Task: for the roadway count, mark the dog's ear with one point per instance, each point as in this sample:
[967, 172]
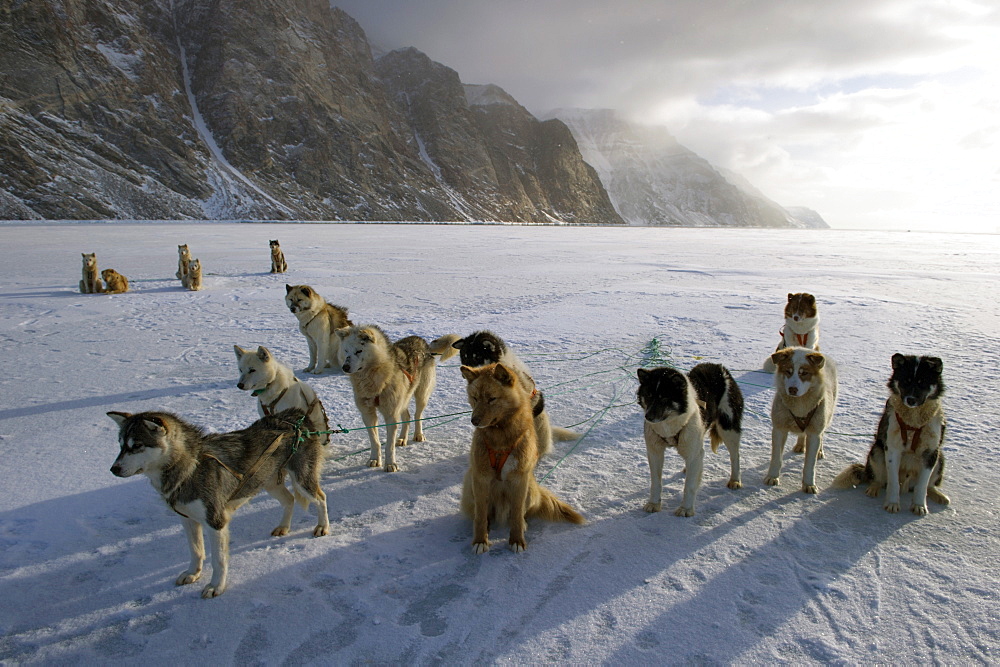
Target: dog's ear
[119, 417]
[459, 343]
[781, 356]
[263, 353]
[897, 361]
[809, 298]
[306, 290]
[468, 373]
[935, 363]
[366, 336]
[790, 296]
[288, 288]
[816, 359]
[642, 374]
[155, 424]
[503, 375]
[239, 351]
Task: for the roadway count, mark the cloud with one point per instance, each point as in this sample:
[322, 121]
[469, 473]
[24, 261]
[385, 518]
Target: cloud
[843, 106]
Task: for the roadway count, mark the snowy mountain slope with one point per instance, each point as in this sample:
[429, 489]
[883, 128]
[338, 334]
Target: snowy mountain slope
[764, 574]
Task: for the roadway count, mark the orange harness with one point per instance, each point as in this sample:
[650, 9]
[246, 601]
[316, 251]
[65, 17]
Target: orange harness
[497, 459]
[904, 431]
[800, 338]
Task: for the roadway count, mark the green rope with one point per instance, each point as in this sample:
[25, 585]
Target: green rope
[584, 436]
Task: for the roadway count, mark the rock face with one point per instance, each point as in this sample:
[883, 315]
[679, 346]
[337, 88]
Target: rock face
[259, 109]
[654, 180]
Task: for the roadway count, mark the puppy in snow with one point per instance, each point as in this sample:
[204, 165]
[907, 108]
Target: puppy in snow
[907, 448]
[678, 409]
[801, 325]
[805, 395]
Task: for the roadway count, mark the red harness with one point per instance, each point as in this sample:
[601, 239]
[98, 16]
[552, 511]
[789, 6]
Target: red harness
[800, 338]
[497, 459]
[905, 430]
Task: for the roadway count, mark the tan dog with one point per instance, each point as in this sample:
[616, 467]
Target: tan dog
[801, 326]
[116, 282]
[192, 279]
[91, 282]
[385, 376]
[278, 264]
[318, 320]
[805, 395]
[183, 258]
[499, 486]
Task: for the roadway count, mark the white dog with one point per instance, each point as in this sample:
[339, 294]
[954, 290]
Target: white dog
[277, 388]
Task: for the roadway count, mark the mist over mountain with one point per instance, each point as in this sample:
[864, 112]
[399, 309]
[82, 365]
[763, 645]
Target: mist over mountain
[260, 109]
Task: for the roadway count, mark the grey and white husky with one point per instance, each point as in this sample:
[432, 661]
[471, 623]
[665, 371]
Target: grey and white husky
[206, 477]
[483, 348]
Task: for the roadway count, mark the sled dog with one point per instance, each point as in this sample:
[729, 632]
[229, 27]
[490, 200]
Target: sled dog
[183, 258]
[483, 348]
[206, 477]
[277, 388]
[801, 325]
[91, 282]
[678, 410]
[907, 448]
[385, 376]
[116, 283]
[499, 487]
[192, 279]
[278, 264]
[805, 396]
[317, 322]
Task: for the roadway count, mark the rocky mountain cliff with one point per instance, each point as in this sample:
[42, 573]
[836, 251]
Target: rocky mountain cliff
[259, 109]
[654, 180]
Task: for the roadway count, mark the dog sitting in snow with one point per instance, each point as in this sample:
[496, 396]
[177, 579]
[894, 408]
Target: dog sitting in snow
[483, 348]
[318, 320]
[805, 395]
[278, 264]
[801, 325]
[192, 279]
[499, 487]
[115, 283]
[183, 258]
[678, 410]
[907, 448]
[91, 282]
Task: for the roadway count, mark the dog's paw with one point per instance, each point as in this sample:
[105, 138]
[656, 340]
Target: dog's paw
[517, 546]
[651, 507]
[188, 577]
[420, 438]
[321, 531]
[280, 531]
[873, 491]
[212, 591]
[772, 481]
[734, 484]
[683, 511]
[919, 510]
[809, 488]
[401, 442]
[891, 508]
[374, 463]
[799, 447]
[391, 467]
[307, 369]
[480, 547]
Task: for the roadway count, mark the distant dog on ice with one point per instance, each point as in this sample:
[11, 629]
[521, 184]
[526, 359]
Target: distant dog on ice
[115, 283]
[805, 396]
[206, 477]
[183, 258]
[483, 348]
[801, 325]
[91, 282]
[678, 410]
[385, 376]
[277, 388]
[278, 264]
[499, 486]
[318, 320]
[192, 279]
[907, 448]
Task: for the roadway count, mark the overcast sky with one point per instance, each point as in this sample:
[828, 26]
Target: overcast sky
[876, 113]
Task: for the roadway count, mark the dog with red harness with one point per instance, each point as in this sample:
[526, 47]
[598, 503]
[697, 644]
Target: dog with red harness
[801, 325]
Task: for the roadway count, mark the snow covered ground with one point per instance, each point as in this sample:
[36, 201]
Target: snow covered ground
[762, 574]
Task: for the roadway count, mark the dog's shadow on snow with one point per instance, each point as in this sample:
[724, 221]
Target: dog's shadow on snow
[109, 400]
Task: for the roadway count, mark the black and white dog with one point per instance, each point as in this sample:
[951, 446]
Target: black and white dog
[485, 347]
[907, 448]
[679, 409]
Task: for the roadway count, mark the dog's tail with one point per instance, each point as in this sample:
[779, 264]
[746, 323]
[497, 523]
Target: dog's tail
[442, 346]
[551, 508]
[851, 476]
[564, 434]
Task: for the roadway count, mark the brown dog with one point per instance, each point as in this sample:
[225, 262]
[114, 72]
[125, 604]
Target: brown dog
[116, 283]
[500, 486]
